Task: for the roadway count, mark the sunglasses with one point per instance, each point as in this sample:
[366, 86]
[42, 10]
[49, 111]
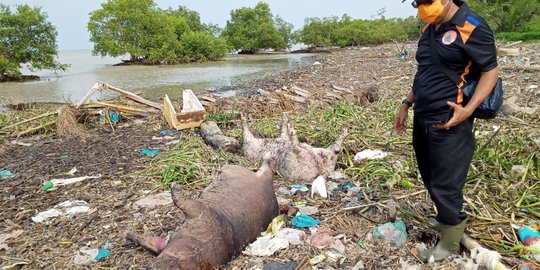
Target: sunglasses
[416, 3]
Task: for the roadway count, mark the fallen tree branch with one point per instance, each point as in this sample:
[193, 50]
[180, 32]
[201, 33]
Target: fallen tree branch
[32, 130]
[31, 119]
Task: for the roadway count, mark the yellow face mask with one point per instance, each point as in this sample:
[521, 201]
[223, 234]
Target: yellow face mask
[429, 13]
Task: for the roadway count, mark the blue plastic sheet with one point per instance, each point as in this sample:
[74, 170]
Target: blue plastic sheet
[150, 152]
[304, 221]
[5, 174]
[393, 232]
[169, 132]
[113, 115]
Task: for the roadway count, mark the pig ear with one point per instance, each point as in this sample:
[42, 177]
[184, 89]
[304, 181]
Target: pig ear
[154, 244]
[189, 207]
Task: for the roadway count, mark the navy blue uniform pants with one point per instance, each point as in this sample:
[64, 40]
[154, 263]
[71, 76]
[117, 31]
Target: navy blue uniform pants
[443, 158]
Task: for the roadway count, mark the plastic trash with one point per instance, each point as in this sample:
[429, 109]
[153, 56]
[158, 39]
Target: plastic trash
[346, 186]
[275, 225]
[173, 142]
[299, 203]
[293, 236]
[298, 187]
[67, 208]
[169, 132]
[335, 257]
[55, 183]
[393, 232]
[317, 259]
[319, 187]
[320, 240]
[308, 210]
[47, 185]
[304, 221]
[284, 190]
[527, 266]
[155, 200]
[266, 246]
[164, 138]
[91, 255]
[5, 174]
[359, 265]
[281, 266]
[114, 116]
[370, 154]
[530, 238]
[336, 175]
[150, 152]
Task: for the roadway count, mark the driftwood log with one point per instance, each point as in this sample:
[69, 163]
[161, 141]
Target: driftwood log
[214, 137]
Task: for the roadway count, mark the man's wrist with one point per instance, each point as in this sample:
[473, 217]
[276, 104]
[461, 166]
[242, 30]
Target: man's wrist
[406, 102]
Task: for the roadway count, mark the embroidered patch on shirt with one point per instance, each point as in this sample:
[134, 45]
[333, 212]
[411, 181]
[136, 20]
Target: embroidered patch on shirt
[449, 37]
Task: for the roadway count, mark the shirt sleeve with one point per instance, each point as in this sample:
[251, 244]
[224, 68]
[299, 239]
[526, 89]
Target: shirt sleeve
[481, 47]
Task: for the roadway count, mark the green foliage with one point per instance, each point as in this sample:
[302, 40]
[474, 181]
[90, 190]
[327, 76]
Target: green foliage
[201, 47]
[332, 31]
[26, 38]
[253, 29]
[529, 31]
[506, 15]
[318, 32]
[152, 35]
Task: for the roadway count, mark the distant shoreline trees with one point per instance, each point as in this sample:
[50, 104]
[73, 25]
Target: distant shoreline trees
[26, 39]
[150, 35]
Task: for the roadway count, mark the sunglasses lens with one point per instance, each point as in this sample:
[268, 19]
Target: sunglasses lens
[414, 4]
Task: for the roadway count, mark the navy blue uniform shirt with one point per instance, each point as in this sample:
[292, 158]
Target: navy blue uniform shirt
[466, 45]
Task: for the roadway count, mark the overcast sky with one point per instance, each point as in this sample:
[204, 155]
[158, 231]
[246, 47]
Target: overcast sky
[71, 16]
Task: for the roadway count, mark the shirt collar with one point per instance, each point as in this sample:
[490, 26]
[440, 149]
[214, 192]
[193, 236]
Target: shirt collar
[461, 15]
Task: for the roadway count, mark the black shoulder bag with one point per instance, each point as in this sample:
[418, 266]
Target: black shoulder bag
[490, 106]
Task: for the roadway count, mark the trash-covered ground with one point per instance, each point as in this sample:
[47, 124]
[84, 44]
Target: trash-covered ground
[52, 218]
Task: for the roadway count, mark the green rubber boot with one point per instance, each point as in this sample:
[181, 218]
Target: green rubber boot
[448, 244]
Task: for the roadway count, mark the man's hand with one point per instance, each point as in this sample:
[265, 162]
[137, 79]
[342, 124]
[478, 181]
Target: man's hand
[401, 118]
[460, 114]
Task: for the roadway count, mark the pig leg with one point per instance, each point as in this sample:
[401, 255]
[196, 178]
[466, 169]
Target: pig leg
[247, 135]
[154, 244]
[265, 168]
[294, 139]
[190, 208]
[285, 127]
[338, 144]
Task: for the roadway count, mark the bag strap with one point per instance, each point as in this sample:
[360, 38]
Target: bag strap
[437, 58]
[438, 61]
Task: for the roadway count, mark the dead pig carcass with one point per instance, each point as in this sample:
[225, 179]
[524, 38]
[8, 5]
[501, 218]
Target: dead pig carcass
[290, 158]
[230, 213]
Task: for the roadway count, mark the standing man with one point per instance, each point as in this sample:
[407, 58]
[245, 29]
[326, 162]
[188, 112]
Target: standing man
[442, 131]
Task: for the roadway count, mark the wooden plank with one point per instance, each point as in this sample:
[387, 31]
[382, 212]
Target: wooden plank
[263, 92]
[169, 113]
[138, 111]
[132, 96]
[342, 89]
[94, 88]
[301, 92]
[295, 98]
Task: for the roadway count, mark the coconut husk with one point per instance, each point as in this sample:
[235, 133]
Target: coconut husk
[67, 123]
